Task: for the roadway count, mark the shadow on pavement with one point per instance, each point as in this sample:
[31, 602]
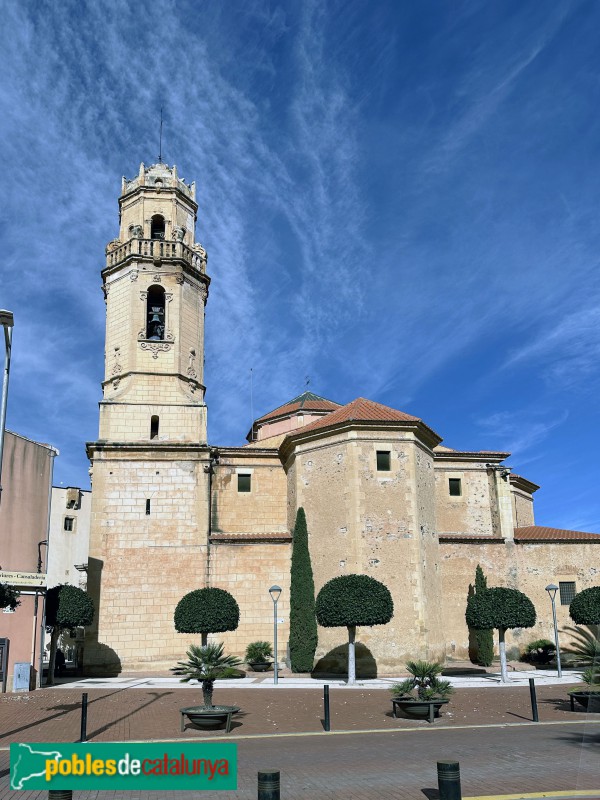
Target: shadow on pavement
[113, 722]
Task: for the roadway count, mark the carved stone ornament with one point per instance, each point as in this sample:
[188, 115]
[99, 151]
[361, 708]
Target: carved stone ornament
[156, 277]
[116, 367]
[168, 296]
[180, 278]
[106, 289]
[143, 295]
[142, 333]
[156, 347]
[191, 370]
[133, 275]
[203, 292]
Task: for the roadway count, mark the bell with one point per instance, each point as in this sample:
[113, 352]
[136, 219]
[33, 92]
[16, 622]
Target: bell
[155, 324]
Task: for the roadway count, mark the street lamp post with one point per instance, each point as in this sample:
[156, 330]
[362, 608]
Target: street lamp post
[275, 591]
[552, 589]
[6, 320]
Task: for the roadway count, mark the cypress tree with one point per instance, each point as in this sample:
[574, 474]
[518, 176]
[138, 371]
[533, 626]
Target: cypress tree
[484, 639]
[303, 623]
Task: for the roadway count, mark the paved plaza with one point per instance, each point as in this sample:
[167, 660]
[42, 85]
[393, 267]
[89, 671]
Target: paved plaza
[368, 755]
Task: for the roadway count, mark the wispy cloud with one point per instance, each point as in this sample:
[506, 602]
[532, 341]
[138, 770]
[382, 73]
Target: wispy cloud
[518, 432]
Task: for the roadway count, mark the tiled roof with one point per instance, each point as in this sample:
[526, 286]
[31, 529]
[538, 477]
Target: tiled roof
[539, 533]
[307, 401]
[470, 537]
[251, 537]
[361, 410]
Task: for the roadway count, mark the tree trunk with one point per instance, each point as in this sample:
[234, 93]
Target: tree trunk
[351, 655]
[52, 656]
[503, 669]
[204, 639]
[207, 693]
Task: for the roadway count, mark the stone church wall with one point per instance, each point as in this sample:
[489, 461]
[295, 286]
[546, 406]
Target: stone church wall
[527, 567]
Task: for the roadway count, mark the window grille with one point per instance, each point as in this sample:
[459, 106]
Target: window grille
[567, 592]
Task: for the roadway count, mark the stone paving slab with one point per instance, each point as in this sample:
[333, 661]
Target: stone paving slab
[266, 681]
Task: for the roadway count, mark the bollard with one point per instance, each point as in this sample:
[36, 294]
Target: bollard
[327, 721]
[534, 710]
[448, 773]
[83, 737]
[268, 785]
[60, 794]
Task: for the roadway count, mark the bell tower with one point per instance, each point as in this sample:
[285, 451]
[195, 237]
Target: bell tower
[151, 465]
[155, 285]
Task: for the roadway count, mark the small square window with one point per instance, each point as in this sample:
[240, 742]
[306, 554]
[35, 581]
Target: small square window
[244, 482]
[384, 461]
[567, 592]
[69, 523]
[454, 487]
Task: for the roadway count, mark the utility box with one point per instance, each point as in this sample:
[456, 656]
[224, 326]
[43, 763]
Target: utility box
[3, 663]
[22, 677]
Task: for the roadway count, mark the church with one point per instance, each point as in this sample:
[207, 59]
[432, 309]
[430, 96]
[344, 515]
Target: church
[172, 512]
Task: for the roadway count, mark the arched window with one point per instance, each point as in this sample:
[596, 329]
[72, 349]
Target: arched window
[155, 313]
[157, 227]
[154, 427]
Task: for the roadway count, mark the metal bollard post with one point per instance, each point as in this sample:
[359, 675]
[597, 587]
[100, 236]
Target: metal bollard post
[327, 721]
[534, 709]
[60, 794]
[268, 785]
[448, 773]
[83, 737]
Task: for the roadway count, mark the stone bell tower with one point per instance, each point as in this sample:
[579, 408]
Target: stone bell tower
[150, 464]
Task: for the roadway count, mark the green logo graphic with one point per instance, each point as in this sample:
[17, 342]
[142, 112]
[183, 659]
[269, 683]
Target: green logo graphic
[109, 766]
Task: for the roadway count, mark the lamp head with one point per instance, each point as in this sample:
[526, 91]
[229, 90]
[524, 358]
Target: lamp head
[552, 589]
[275, 591]
[6, 318]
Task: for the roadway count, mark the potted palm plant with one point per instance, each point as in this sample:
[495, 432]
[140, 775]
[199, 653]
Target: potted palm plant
[423, 694]
[207, 664]
[588, 698]
[259, 656]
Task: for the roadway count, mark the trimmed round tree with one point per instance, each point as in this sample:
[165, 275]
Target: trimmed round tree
[501, 609]
[585, 607]
[205, 611]
[67, 607]
[303, 624]
[352, 600]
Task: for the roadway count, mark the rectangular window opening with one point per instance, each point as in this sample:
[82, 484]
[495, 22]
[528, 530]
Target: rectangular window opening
[567, 592]
[455, 487]
[384, 459]
[69, 523]
[147, 507]
[244, 482]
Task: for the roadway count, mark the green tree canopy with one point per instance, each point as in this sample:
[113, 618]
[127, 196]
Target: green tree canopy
[303, 624]
[585, 607]
[352, 600]
[9, 596]
[502, 609]
[67, 607]
[205, 611]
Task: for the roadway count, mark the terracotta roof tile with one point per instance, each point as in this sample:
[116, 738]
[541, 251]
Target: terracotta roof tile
[362, 410]
[539, 533]
[307, 401]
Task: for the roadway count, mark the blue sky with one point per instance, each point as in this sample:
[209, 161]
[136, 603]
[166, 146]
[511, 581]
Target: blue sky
[399, 200]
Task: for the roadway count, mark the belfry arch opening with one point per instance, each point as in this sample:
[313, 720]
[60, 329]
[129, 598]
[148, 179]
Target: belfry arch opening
[154, 423]
[155, 314]
[157, 227]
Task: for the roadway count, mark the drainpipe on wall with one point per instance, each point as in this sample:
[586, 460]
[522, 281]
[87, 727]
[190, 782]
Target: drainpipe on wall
[209, 469]
[53, 453]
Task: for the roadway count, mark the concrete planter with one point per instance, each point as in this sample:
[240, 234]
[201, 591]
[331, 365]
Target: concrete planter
[260, 666]
[418, 709]
[590, 700]
[209, 718]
